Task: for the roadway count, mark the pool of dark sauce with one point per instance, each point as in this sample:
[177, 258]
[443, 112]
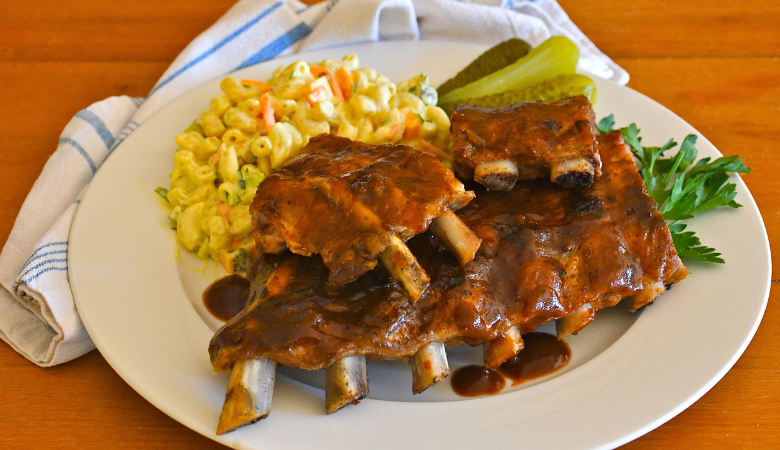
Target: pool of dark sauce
[227, 296]
[473, 381]
[542, 355]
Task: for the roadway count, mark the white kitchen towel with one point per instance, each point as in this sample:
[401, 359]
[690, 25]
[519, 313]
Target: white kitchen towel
[38, 317]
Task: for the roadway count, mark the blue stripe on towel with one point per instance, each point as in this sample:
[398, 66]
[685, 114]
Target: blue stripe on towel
[48, 269]
[50, 244]
[216, 47]
[41, 264]
[279, 45]
[81, 150]
[33, 258]
[97, 123]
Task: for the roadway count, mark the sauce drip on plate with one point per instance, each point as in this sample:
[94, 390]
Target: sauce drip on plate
[473, 381]
[227, 296]
[542, 355]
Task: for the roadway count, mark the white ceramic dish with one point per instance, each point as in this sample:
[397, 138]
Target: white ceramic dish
[628, 374]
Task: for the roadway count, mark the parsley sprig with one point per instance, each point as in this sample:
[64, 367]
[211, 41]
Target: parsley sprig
[682, 186]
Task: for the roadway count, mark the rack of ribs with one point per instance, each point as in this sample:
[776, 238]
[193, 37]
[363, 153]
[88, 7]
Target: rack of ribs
[355, 204]
[548, 253]
[498, 146]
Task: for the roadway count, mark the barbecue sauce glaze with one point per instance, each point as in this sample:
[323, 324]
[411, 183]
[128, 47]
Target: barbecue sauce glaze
[546, 250]
[542, 355]
[227, 296]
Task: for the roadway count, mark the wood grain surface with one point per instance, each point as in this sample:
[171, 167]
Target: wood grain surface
[715, 64]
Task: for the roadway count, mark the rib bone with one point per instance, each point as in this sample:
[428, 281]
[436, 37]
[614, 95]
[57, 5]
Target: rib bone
[576, 321]
[573, 173]
[650, 292]
[429, 366]
[403, 266]
[499, 350]
[456, 235]
[249, 393]
[497, 175]
[345, 382]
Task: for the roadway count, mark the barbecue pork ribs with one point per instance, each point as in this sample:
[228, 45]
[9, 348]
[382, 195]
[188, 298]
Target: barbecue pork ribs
[548, 253]
[355, 203]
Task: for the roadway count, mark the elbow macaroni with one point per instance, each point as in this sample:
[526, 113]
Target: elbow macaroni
[232, 146]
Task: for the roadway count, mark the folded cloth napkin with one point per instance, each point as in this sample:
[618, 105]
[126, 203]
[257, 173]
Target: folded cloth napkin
[38, 317]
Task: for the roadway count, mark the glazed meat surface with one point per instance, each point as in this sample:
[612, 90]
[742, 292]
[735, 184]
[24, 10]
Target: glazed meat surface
[343, 200]
[534, 139]
[546, 252]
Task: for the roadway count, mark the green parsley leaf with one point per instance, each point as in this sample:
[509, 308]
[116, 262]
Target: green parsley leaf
[605, 125]
[689, 246]
[681, 187]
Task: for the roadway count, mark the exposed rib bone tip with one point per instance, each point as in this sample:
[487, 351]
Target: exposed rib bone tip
[503, 348]
[497, 175]
[650, 292]
[573, 173]
[403, 266]
[429, 366]
[249, 394]
[346, 382]
[463, 199]
[576, 321]
[456, 235]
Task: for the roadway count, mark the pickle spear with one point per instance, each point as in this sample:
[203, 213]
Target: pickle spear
[555, 56]
[558, 88]
[496, 58]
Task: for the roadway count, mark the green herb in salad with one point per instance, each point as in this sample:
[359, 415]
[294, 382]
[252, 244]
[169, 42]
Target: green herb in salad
[682, 186]
[162, 192]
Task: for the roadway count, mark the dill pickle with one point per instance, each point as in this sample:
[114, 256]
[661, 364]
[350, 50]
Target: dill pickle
[558, 88]
[498, 57]
[555, 56]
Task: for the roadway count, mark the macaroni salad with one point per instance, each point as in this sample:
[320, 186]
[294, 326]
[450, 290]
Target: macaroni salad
[254, 127]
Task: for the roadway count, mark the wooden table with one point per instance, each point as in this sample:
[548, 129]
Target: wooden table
[713, 63]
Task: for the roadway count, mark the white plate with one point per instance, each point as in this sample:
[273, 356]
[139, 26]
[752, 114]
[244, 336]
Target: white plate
[628, 375]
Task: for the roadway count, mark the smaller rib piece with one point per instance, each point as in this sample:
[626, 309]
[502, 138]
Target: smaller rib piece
[345, 382]
[403, 266]
[456, 235]
[429, 366]
[249, 394]
[498, 146]
[503, 348]
[349, 201]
